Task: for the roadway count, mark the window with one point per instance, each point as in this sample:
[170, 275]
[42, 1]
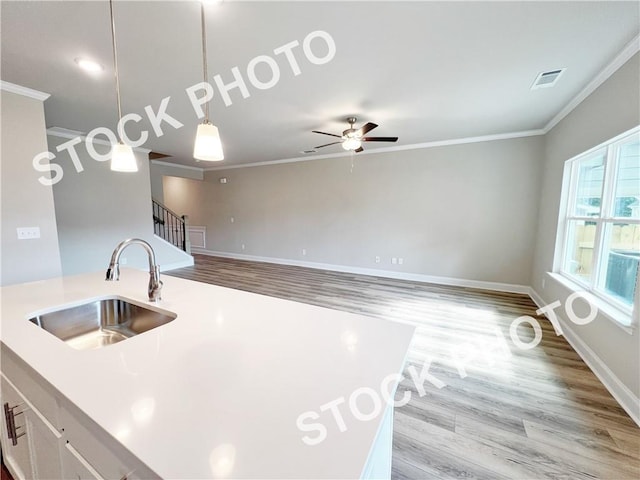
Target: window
[600, 230]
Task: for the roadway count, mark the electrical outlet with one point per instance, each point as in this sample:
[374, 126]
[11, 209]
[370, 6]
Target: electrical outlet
[400, 261]
[394, 260]
[28, 233]
[232, 220]
[304, 251]
[242, 246]
[377, 259]
[543, 282]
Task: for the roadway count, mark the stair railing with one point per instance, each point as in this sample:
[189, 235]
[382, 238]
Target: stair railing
[170, 226]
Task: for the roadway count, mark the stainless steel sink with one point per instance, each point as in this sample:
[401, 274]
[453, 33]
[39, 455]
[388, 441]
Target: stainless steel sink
[101, 322]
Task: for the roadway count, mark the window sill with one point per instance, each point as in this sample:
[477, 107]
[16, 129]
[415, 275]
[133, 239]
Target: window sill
[618, 317]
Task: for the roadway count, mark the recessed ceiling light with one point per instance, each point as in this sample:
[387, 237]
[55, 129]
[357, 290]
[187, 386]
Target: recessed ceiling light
[89, 65]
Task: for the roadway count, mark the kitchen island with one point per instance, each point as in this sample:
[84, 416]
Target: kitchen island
[238, 385]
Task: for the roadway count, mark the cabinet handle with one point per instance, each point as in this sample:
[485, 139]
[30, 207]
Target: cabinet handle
[7, 419]
[10, 418]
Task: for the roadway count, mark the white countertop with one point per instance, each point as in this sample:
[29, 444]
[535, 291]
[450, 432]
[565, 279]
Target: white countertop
[229, 376]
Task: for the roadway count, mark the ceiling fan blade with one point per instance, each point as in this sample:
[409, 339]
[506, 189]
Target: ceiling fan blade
[359, 149]
[326, 145]
[379, 139]
[325, 133]
[365, 129]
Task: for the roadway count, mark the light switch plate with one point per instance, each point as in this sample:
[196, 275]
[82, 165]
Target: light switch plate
[28, 233]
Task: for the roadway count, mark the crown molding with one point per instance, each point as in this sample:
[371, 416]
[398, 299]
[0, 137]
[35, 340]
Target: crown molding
[399, 148]
[68, 133]
[177, 165]
[65, 133]
[24, 91]
[623, 57]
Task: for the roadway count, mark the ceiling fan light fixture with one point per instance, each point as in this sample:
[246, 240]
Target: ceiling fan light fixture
[123, 159]
[352, 139]
[208, 146]
[351, 143]
[351, 133]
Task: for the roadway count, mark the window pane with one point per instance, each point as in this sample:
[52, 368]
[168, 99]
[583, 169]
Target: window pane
[579, 249]
[620, 261]
[627, 192]
[589, 179]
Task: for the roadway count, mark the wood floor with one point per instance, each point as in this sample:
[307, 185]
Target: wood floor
[518, 414]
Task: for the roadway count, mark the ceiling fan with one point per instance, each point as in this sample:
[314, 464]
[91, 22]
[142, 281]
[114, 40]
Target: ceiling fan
[351, 138]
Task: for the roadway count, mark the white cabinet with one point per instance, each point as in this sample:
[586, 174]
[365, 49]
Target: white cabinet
[54, 439]
[30, 444]
[75, 466]
[16, 457]
[97, 449]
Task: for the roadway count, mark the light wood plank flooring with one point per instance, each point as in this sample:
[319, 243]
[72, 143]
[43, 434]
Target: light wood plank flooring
[536, 414]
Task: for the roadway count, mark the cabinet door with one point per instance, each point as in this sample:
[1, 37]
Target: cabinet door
[75, 466]
[37, 453]
[97, 451]
[17, 458]
[44, 445]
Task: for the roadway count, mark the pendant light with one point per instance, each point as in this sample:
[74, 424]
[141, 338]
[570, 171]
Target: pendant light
[122, 158]
[208, 146]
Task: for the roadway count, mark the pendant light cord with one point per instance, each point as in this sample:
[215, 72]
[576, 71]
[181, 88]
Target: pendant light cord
[204, 58]
[115, 58]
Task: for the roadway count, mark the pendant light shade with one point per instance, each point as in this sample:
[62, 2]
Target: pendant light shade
[208, 146]
[123, 159]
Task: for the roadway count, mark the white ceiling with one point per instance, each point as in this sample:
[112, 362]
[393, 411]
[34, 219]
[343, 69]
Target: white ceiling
[424, 71]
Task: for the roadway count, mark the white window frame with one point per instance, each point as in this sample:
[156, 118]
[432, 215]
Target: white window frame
[619, 311]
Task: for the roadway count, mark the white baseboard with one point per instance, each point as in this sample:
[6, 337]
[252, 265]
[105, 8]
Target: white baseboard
[456, 282]
[537, 299]
[625, 397]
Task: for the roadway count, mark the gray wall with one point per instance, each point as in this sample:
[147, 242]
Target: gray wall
[465, 211]
[158, 171]
[612, 109]
[97, 208]
[25, 201]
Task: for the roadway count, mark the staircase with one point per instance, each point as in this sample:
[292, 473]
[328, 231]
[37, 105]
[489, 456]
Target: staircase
[170, 226]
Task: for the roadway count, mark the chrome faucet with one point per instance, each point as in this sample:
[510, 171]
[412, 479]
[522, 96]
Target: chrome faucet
[113, 272]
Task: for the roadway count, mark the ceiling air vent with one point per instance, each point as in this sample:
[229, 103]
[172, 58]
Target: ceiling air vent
[547, 79]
